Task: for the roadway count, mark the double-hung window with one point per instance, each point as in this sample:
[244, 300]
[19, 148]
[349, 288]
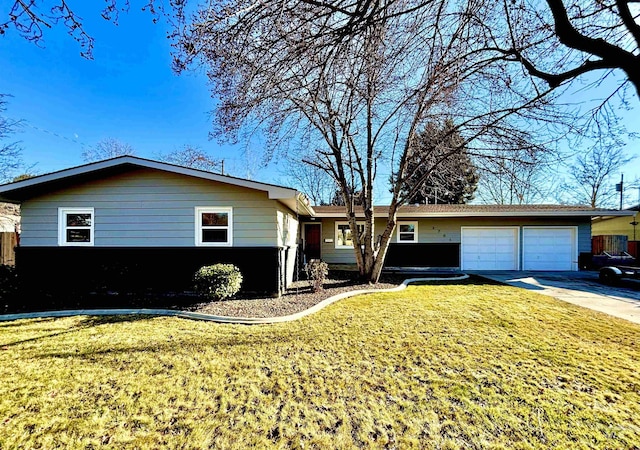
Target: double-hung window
[344, 239]
[75, 226]
[407, 232]
[214, 226]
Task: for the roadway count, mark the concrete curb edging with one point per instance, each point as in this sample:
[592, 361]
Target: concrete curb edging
[221, 319]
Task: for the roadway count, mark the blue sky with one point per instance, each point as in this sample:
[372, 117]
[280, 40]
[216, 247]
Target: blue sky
[127, 92]
[130, 93]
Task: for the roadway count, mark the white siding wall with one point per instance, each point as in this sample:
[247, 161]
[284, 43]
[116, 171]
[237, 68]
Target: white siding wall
[148, 208]
[288, 229]
[287, 226]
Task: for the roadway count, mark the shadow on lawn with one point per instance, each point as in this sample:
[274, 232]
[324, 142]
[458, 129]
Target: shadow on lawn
[85, 323]
[183, 342]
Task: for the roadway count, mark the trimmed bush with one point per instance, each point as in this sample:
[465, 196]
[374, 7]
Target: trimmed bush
[317, 272]
[218, 282]
[8, 281]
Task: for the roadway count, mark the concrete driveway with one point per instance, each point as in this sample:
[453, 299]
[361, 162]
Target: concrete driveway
[579, 288]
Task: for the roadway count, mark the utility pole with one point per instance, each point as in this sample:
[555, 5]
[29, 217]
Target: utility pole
[620, 188]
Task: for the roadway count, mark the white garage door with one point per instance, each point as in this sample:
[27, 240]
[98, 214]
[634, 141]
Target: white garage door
[549, 248]
[489, 248]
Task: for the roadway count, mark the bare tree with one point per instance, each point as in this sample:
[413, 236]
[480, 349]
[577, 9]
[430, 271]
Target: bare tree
[516, 179]
[554, 40]
[10, 151]
[291, 69]
[590, 175]
[105, 149]
[356, 196]
[31, 18]
[559, 41]
[310, 179]
[194, 157]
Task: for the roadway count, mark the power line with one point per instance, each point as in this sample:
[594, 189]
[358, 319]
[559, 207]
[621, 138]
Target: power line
[58, 135]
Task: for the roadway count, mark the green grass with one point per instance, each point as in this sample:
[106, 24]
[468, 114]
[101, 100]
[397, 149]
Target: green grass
[444, 366]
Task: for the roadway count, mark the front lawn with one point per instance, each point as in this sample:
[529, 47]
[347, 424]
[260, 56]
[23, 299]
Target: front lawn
[444, 366]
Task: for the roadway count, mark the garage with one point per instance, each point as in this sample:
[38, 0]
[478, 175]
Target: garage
[549, 248]
[489, 248]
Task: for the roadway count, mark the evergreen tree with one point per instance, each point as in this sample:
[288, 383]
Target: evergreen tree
[440, 168]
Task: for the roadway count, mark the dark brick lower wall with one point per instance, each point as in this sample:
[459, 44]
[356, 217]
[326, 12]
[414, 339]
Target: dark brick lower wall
[87, 269]
[423, 255]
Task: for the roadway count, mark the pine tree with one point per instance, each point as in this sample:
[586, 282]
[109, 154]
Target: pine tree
[440, 168]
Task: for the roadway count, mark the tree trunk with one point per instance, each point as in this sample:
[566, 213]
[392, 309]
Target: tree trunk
[381, 255]
[370, 260]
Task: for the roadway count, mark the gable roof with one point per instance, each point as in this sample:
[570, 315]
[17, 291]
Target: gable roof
[20, 190]
[477, 211]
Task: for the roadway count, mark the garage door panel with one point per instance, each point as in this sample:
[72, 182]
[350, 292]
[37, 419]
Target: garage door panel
[505, 265]
[503, 257]
[549, 248]
[489, 248]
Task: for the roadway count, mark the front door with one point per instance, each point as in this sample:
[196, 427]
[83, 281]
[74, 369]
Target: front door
[311, 241]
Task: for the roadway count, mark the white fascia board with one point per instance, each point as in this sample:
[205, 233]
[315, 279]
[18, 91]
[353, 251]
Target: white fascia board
[603, 215]
[299, 204]
[53, 176]
[512, 214]
[418, 215]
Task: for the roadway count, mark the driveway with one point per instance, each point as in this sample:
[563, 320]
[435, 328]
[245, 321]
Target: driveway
[579, 288]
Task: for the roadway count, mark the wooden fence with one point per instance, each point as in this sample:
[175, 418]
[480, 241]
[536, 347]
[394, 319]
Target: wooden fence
[8, 243]
[613, 244]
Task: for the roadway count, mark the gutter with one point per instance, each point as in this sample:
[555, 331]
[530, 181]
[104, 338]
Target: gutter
[428, 215]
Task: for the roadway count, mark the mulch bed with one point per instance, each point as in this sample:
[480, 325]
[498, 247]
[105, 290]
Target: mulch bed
[298, 298]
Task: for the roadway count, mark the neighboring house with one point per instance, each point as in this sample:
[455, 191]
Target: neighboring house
[9, 218]
[154, 224]
[469, 237]
[9, 228]
[618, 225]
[132, 217]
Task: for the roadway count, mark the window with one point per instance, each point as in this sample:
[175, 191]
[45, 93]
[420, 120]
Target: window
[343, 234]
[407, 232]
[214, 226]
[75, 226]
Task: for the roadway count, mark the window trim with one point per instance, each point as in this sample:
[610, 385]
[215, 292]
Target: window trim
[335, 234]
[415, 232]
[198, 211]
[62, 226]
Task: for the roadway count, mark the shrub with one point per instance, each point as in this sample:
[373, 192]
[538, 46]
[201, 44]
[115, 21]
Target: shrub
[317, 272]
[218, 281]
[8, 282]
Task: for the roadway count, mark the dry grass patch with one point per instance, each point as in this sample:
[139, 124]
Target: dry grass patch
[445, 366]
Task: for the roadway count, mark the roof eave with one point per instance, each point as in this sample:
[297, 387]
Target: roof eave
[400, 215]
[274, 192]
